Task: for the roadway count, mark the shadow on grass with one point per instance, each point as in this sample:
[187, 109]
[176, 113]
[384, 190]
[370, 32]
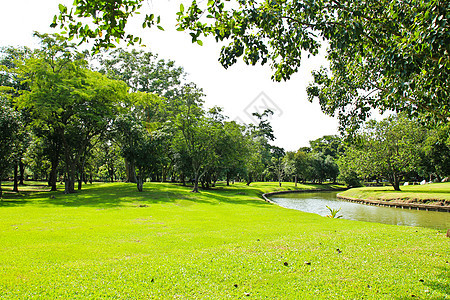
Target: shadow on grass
[10, 203]
[126, 195]
[442, 282]
[439, 284]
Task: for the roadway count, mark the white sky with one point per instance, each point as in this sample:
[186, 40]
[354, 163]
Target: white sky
[295, 122]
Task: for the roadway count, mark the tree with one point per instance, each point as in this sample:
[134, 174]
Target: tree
[260, 151]
[140, 141]
[72, 103]
[196, 132]
[254, 160]
[347, 172]
[144, 72]
[9, 121]
[436, 158]
[278, 163]
[383, 54]
[328, 145]
[234, 150]
[11, 84]
[107, 161]
[388, 149]
[300, 164]
[144, 154]
[331, 168]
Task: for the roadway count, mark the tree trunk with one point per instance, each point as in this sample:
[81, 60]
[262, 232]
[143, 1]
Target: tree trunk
[396, 183]
[164, 174]
[80, 182]
[69, 184]
[1, 191]
[195, 189]
[296, 180]
[249, 179]
[396, 186]
[130, 171]
[111, 173]
[140, 184]
[21, 172]
[16, 177]
[53, 175]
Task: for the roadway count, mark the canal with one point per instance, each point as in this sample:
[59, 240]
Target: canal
[317, 202]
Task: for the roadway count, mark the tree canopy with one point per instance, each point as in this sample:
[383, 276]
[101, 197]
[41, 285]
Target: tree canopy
[389, 55]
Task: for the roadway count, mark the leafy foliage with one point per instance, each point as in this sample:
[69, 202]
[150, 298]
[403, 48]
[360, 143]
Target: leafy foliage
[389, 149]
[109, 19]
[9, 123]
[67, 102]
[389, 55]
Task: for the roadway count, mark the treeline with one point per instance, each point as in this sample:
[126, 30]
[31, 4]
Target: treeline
[73, 117]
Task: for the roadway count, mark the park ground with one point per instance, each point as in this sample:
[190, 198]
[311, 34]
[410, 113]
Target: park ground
[109, 241]
[430, 194]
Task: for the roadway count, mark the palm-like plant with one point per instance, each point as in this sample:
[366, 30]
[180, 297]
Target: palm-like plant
[333, 213]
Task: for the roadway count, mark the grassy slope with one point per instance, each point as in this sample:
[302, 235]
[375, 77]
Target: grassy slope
[167, 243]
[429, 193]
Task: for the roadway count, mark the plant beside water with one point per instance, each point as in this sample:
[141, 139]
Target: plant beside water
[333, 213]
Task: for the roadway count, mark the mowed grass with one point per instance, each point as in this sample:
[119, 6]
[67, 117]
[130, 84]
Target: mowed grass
[428, 193]
[109, 241]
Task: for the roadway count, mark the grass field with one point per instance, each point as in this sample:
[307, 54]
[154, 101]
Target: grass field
[109, 241]
[429, 193]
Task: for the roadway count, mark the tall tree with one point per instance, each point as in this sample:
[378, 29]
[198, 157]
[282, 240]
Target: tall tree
[196, 132]
[139, 140]
[144, 72]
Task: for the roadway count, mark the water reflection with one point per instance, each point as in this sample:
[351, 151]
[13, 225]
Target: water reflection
[317, 203]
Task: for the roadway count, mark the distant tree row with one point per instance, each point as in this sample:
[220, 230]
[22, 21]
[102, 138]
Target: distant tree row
[73, 117]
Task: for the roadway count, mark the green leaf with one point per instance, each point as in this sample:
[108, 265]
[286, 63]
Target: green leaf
[160, 27]
[200, 42]
[62, 8]
[181, 7]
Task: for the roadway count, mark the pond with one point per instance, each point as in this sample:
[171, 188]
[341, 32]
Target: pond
[317, 203]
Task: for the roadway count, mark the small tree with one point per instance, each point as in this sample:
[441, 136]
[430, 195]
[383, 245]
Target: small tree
[278, 163]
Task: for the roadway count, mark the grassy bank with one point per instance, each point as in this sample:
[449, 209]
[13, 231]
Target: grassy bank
[167, 243]
[435, 193]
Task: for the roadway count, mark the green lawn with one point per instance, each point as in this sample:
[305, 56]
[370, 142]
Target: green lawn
[428, 193]
[109, 241]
